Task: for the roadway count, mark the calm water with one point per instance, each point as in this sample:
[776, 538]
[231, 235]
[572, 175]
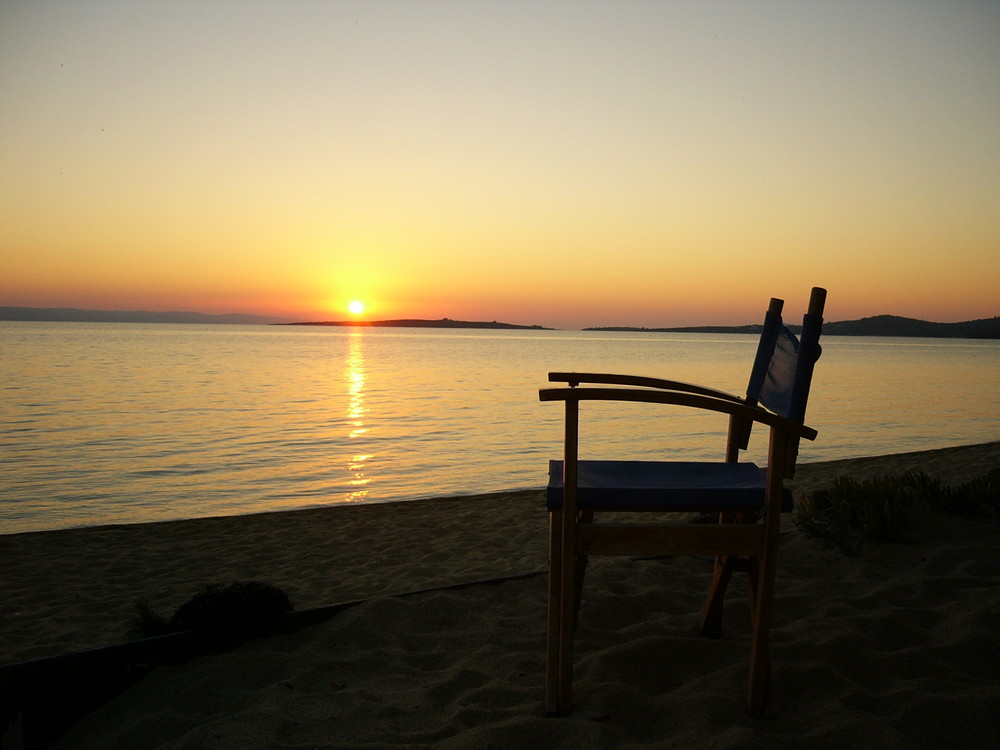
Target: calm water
[123, 423]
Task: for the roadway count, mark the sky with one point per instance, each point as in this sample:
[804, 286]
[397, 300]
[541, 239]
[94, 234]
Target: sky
[565, 164]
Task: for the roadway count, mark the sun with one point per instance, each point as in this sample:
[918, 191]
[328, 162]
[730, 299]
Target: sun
[356, 307]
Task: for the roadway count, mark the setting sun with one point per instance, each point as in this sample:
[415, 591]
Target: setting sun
[356, 307]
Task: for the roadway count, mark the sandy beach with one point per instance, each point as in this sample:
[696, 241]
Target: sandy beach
[899, 647]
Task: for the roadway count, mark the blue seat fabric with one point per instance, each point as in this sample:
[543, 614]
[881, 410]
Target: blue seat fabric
[670, 486]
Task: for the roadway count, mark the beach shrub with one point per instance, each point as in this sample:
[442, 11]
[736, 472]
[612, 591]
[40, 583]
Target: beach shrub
[819, 517]
[146, 623]
[877, 506]
[925, 490]
[241, 606]
[982, 494]
[852, 512]
[975, 498]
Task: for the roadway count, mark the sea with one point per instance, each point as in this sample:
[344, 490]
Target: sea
[119, 423]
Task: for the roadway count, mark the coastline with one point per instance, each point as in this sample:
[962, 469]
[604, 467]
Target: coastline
[888, 646]
[72, 589]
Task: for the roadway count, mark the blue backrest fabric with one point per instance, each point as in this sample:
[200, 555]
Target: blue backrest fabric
[783, 367]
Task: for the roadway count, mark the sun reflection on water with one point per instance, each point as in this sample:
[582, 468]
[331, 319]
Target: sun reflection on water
[356, 410]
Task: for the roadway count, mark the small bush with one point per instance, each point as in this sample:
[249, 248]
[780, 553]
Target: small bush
[852, 512]
[927, 491]
[877, 506]
[146, 623]
[982, 494]
[244, 606]
[975, 498]
[819, 517]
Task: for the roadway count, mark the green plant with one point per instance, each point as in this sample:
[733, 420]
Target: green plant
[244, 606]
[146, 623]
[926, 490]
[852, 512]
[877, 506]
[982, 494]
[819, 517]
[977, 497]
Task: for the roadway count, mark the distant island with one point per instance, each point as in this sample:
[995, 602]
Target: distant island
[418, 323]
[754, 329]
[74, 315]
[893, 325]
[878, 325]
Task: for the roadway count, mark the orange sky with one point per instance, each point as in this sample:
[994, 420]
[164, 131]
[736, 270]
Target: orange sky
[560, 163]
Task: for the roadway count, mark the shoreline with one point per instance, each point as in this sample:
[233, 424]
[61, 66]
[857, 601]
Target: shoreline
[809, 476]
[73, 589]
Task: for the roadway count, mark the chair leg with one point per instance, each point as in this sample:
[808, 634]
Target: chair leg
[581, 570]
[753, 582]
[562, 588]
[722, 573]
[762, 590]
[567, 596]
[711, 612]
[758, 695]
[554, 616]
[586, 516]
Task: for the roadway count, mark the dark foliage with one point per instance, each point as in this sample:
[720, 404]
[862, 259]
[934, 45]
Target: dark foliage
[241, 606]
[853, 512]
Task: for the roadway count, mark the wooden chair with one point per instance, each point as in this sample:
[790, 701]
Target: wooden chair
[747, 499]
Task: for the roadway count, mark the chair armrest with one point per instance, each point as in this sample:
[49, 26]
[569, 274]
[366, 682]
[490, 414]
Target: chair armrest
[677, 398]
[575, 378]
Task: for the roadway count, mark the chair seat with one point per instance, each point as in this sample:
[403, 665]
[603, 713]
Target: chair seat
[659, 485]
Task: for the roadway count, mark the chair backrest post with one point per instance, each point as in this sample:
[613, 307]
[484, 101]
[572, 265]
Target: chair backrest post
[739, 429]
[809, 351]
[817, 301]
[571, 448]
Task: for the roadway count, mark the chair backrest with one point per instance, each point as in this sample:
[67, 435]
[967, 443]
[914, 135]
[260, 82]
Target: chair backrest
[783, 366]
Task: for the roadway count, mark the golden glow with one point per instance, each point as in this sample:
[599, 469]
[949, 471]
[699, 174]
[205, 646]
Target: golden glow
[683, 192]
[356, 307]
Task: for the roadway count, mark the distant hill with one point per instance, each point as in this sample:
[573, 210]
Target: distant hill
[417, 323]
[879, 325]
[754, 329]
[70, 314]
[893, 325]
